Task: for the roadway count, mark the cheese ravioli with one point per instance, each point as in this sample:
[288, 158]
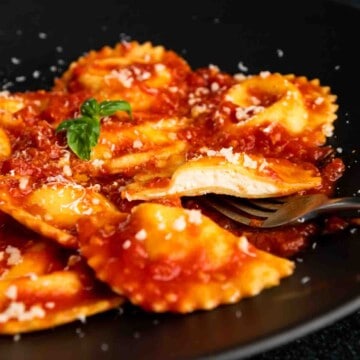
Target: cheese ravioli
[171, 259]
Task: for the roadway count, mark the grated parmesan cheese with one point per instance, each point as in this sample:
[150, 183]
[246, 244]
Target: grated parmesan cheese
[126, 244]
[97, 163]
[16, 310]
[4, 94]
[227, 153]
[137, 144]
[124, 76]
[32, 276]
[263, 165]
[50, 305]
[159, 67]
[214, 68]
[319, 100]
[198, 110]
[249, 162]
[179, 224]
[143, 75]
[11, 292]
[194, 216]
[141, 235]
[242, 114]
[67, 170]
[73, 259]
[14, 255]
[264, 74]
[240, 77]
[48, 217]
[214, 87]
[95, 201]
[243, 245]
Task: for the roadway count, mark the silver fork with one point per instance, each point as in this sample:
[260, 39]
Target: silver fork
[273, 212]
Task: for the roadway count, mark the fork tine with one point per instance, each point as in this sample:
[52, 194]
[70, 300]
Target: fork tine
[225, 210]
[238, 209]
[246, 208]
[270, 204]
[275, 212]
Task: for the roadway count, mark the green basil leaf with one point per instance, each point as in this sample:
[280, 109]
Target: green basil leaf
[90, 108]
[109, 107]
[93, 131]
[82, 136]
[66, 124]
[83, 133]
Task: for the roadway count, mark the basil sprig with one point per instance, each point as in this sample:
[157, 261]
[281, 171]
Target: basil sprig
[82, 133]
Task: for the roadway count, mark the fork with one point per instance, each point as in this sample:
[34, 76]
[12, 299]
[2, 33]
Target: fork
[273, 212]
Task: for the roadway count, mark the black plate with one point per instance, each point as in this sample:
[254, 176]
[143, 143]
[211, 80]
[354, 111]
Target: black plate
[38, 39]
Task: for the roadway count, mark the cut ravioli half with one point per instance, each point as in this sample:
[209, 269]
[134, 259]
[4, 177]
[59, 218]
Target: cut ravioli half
[171, 259]
[43, 286]
[53, 209]
[301, 106]
[225, 172]
[147, 76]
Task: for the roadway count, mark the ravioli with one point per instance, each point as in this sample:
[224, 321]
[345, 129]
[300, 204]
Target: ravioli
[68, 201]
[43, 286]
[171, 259]
[130, 71]
[301, 106]
[229, 173]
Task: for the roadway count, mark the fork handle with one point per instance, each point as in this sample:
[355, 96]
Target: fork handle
[344, 203]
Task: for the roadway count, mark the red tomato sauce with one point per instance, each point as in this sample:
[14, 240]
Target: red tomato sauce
[38, 152]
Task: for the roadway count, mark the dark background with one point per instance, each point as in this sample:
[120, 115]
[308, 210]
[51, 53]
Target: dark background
[39, 39]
